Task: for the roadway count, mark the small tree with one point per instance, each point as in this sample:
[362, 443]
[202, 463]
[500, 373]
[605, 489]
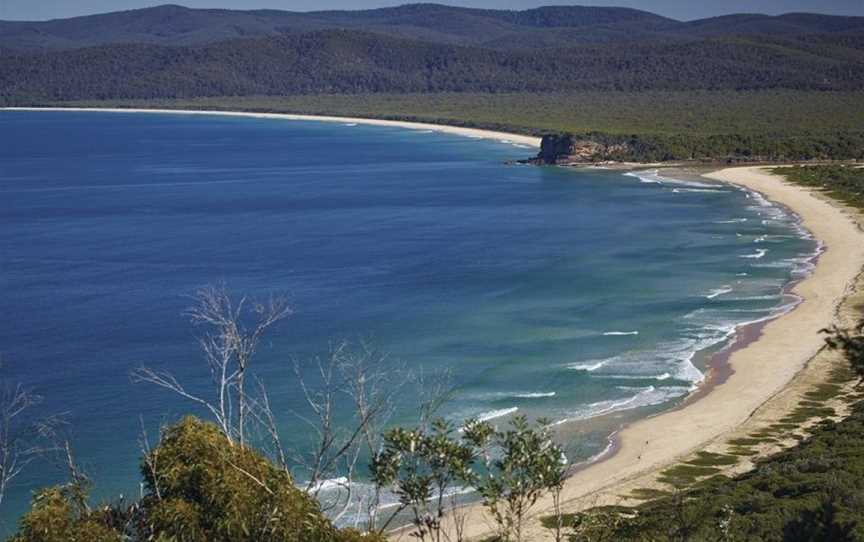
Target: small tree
[525, 464]
[56, 516]
[62, 513]
[423, 467]
[553, 480]
[851, 343]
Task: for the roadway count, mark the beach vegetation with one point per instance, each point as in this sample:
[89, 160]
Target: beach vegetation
[843, 182]
[648, 493]
[812, 491]
[850, 342]
[709, 459]
[686, 474]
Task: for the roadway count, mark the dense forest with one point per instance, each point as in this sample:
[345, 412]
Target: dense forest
[352, 62]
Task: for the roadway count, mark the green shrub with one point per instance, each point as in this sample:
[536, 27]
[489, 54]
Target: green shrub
[56, 516]
[207, 490]
[200, 488]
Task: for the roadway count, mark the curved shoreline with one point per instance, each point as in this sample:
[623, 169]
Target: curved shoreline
[769, 357]
[475, 133]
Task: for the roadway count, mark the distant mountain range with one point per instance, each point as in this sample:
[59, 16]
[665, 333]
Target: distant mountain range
[171, 51]
[545, 27]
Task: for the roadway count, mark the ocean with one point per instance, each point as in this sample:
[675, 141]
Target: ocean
[584, 296]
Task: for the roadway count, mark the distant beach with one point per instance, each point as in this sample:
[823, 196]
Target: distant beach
[504, 137]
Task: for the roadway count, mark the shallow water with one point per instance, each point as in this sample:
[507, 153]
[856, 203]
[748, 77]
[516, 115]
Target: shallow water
[565, 294]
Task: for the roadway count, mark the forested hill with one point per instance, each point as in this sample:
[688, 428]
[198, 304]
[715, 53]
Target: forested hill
[346, 61]
[545, 27]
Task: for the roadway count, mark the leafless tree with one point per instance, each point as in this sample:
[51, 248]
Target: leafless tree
[234, 331]
[363, 378]
[151, 459]
[23, 438]
[349, 394]
[433, 390]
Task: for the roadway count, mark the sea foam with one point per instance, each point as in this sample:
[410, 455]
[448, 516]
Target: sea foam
[717, 292]
[494, 414]
[648, 396]
[760, 253]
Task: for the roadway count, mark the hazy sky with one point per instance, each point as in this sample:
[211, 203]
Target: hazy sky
[679, 9]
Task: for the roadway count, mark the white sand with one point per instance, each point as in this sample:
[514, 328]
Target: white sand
[528, 141]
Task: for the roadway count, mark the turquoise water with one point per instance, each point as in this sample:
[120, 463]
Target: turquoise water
[566, 294]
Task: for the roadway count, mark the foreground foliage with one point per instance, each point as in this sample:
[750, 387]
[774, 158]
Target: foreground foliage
[428, 466]
[200, 488]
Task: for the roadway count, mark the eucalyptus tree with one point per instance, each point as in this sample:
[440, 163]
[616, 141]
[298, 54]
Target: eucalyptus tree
[520, 464]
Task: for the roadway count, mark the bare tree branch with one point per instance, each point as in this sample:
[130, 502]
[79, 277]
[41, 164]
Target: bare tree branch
[233, 332]
[23, 439]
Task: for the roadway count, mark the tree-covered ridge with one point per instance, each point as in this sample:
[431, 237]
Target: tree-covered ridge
[353, 62]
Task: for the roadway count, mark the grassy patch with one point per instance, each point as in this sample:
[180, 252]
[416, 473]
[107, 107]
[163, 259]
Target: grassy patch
[708, 459]
[646, 493]
[684, 475]
[743, 452]
[823, 392]
[745, 441]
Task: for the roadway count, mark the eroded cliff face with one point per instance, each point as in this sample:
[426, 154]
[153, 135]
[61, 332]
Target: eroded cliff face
[564, 149]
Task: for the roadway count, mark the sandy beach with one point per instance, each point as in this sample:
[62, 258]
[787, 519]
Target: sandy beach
[528, 141]
[760, 371]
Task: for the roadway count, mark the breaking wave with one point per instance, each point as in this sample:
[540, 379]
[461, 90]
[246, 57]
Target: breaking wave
[759, 254]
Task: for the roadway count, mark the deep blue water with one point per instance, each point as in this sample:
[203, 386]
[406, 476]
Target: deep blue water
[567, 294]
